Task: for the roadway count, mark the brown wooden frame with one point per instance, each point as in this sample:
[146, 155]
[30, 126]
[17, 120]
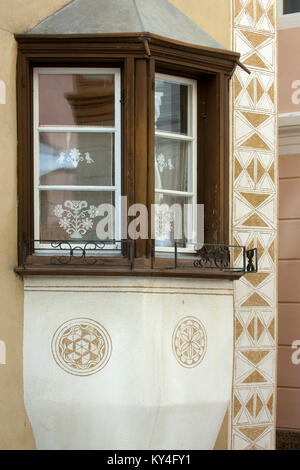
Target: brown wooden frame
[139, 57]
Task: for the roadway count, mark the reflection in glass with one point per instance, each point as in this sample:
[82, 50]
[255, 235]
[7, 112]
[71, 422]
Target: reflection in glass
[83, 159]
[171, 107]
[85, 100]
[291, 6]
[171, 164]
[170, 220]
[71, 215]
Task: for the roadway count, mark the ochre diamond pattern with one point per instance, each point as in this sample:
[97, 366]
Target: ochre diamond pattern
[254, 224]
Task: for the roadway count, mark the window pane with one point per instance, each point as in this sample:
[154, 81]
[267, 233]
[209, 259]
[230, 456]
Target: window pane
[86, 100]
[71, 215]
[291, 6]
[169, 226]
[83, 159]
[171, 164]
[171, 107]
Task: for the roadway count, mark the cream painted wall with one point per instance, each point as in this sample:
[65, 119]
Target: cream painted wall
[17, 16]
[214, 16]
[128, 409]
[15, 431]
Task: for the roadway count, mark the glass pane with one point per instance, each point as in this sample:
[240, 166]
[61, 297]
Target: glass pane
[82, 159]
[71, 215]
[291, 6]
[170, 220]
[171, 107]
[86, 100]
[171, 164]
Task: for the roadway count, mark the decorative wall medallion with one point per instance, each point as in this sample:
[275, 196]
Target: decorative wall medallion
[189, 342]
[81, 347]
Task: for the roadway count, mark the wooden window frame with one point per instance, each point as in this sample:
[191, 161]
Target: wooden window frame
[139, 57]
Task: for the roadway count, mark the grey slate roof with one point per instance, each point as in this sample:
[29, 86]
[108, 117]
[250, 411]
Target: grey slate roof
[125, 16]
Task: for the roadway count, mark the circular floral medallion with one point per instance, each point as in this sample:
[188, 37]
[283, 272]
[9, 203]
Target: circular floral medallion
[189, 342]
[81, 346]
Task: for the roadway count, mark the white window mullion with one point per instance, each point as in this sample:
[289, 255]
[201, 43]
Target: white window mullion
[36, 150]
[174, 136]
[117, 152]
[77, 188]
[77, 130]
[175, 193]
[194, 113]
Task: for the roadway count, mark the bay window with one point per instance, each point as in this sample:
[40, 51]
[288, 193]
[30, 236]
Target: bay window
[104, 116]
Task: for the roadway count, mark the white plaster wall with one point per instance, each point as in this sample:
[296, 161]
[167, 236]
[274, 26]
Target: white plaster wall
[143, 398]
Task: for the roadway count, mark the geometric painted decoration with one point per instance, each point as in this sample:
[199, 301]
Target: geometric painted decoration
[253, 438]
[254, 224]
[189, 342]
[81, 347]
[253, 405]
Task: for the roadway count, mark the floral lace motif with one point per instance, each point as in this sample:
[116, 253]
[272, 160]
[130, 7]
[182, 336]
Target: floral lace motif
[163, 163]
[76, 218]
[74, 157]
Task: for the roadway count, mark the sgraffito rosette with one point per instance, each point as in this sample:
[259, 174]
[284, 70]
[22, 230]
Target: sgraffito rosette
[189, 342]
[81, 347]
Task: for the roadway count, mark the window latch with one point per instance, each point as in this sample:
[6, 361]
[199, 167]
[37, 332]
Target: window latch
[122, 100]
[204, 110]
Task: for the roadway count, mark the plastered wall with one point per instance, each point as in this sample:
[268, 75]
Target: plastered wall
[17, 16]
[15, 430]
[214, 17]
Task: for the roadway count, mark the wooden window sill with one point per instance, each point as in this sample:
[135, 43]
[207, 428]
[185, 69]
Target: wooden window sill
[180, 272]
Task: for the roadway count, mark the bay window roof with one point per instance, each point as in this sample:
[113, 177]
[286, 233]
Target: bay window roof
[156, 17]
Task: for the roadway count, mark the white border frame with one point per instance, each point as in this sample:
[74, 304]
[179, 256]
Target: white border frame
[192, 125]
[94, 129]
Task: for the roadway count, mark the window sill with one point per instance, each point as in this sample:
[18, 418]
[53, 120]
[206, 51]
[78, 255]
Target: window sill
[211, 261]
[136, 271]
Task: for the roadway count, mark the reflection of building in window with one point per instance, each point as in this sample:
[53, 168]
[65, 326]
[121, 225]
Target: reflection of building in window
[94, 99]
